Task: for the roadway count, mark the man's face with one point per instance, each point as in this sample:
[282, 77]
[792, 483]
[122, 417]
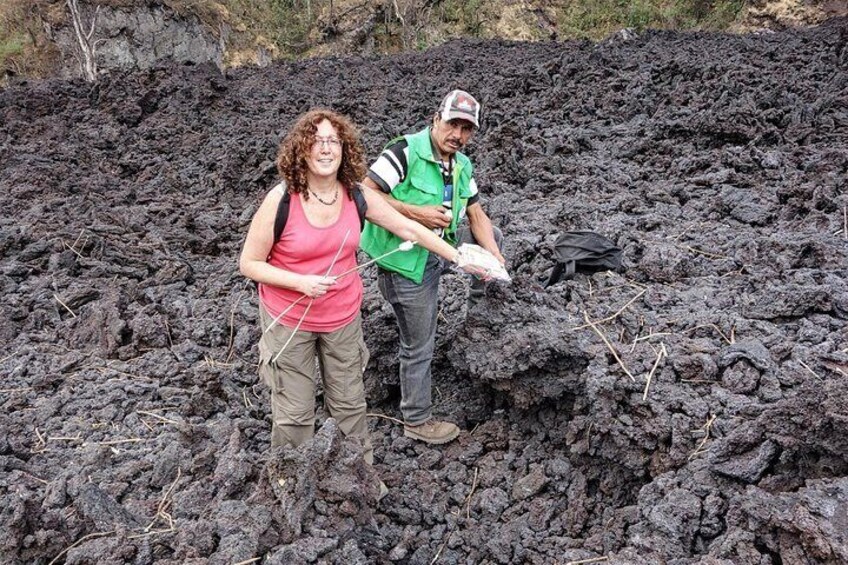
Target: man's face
[451, 136]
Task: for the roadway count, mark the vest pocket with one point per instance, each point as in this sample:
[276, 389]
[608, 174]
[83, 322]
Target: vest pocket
[423, 189]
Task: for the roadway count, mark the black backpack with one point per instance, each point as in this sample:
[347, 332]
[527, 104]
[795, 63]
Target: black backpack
[583, 252]
[285, 202]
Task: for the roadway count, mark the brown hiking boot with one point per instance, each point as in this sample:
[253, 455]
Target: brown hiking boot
[432, 431]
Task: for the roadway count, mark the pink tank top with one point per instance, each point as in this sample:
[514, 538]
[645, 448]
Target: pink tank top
[309, 250]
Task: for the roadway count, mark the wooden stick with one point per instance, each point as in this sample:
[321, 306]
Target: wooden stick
[79, 541]
[294, 331]
[584, 561]
[707, 427]
[660, 355]
[41, 441]
[59, 300]
[845, 222]
[728, 340]
[71, 248]
[283, 313]
[249, 561]
[168, 333]
[158, 417]
[456, 522]
[470, 494]
[810, 370]
[164, 503]
[153, 533]
[609, 345]
[7, 357]
[706, 254]
[374, 260]
[64, 438]
[230, 351]
[210, 362]
[616, 315]
[649, 336]
[646, 337]
[102, 370]
[79, 237]
[22, 389]
[290, 306]
[33, 477]
[375, 415]
[115, 441]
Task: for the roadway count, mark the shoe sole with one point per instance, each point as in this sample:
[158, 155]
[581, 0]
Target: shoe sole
[431, 441]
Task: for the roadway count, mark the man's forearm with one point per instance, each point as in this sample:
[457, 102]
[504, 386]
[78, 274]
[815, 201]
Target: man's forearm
[483, 231]
[484, 234]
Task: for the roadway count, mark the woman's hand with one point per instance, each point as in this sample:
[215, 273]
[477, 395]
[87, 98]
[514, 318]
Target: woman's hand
[314, 286]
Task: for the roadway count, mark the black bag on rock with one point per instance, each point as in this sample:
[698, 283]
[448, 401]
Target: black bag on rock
[583, 252]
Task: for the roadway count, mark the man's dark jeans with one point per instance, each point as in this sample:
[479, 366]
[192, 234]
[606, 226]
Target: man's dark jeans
[416, 307]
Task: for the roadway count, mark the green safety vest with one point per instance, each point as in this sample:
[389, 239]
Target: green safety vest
[423, 186]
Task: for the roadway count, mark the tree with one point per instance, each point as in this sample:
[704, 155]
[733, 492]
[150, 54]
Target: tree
[85, 40]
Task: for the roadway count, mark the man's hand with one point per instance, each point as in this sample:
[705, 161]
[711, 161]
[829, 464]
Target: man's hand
[430, 216]
[314, 286]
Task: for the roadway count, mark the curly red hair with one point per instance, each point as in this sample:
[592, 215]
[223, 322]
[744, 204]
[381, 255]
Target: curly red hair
[295, 148]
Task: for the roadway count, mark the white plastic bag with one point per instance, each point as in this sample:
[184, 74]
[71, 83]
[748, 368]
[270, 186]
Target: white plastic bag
[480, 262]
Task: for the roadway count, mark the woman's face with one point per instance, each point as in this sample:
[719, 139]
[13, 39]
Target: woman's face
[325, 156]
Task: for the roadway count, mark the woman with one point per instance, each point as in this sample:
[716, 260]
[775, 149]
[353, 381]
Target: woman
[321, 162]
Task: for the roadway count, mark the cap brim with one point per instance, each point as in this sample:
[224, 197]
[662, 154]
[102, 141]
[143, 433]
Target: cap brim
[453, 115]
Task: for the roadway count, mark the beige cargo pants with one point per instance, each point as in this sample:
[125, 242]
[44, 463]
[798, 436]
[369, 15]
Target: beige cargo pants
[292, 378]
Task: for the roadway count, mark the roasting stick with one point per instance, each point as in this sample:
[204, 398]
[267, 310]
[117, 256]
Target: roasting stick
[292, 305]
[311, 301]
[405, 246]
[283, 313]
[294, 331]
[660, 355]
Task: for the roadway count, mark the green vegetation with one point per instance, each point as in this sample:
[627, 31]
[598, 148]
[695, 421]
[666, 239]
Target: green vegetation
[290, 24]
[585, 19]
[24, 50]
[470, 15]
[11, 46]
[280, 26]
[297, 28]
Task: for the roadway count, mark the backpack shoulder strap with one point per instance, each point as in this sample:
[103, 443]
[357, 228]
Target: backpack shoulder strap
[361, 205]
[285, 203]
[282, 215]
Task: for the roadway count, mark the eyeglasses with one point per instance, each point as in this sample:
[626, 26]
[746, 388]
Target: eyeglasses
[330, 142]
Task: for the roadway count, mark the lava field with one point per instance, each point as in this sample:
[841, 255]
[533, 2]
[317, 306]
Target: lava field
[691, 408]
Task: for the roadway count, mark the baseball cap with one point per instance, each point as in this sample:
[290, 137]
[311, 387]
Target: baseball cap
[458, 104]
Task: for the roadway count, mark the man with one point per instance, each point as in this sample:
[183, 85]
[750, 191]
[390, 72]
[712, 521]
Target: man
[426, 178]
